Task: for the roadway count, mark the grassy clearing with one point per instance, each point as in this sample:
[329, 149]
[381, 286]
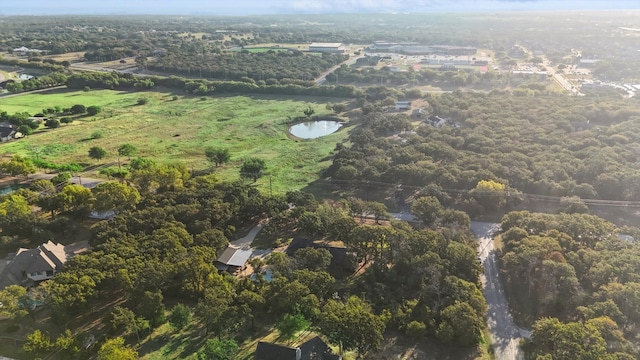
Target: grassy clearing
[71, 56]
[170, 130]
[167, 343]
[263, 49]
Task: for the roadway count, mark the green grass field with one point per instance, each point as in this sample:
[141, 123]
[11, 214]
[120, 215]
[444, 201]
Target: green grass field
[263, 49]
[170, 130]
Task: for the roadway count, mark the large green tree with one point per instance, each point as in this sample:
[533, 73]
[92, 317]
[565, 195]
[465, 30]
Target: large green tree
[289, 325]
[38, 343]
[460, 325]
[252, 168]
[215, 349]
[127, 150]
[217, 156]
[115, 349]
[97, 153]
[427, 209]
[352, 325]
[115, 196]
[11, 299]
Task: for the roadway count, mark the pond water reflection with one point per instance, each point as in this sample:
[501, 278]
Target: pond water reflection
[314, 129]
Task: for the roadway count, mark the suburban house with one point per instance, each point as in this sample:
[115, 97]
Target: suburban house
[233, 259]
[314, 349]
[403, 105]
[27, 267]
[338, 254]
[9, 133]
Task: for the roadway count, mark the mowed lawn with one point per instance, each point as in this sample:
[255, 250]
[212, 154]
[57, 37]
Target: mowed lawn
[168, 131]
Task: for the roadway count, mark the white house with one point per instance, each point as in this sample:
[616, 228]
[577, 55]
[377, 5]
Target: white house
[233, 259]
[403, 105]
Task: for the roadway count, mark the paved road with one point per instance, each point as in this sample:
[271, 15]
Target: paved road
[322, 78]
[559, 78]
[504, 332]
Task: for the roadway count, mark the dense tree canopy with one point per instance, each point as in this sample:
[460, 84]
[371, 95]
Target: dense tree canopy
[570, 266]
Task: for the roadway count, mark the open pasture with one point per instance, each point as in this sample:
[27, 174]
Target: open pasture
[169, 130]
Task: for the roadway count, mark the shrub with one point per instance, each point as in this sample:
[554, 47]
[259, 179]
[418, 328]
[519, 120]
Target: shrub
[25, 130]
[52, 123]
[94, 110]
[78, 109]
[180, 316]
[143, 101]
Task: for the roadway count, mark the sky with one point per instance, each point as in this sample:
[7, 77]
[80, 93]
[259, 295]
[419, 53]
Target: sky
[262, 7]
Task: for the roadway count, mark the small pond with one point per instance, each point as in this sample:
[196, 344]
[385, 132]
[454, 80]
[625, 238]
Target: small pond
[314, 129]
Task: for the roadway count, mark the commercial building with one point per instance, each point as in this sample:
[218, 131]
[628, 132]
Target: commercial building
[335, 48]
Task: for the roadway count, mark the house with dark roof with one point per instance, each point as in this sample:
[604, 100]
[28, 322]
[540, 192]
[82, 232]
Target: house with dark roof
[8, 133]
[27, 267]
[314, 349]
[338, 253]
[233, 259]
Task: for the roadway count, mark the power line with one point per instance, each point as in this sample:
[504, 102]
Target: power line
[509, 194]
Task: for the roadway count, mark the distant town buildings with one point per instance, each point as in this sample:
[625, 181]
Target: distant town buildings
[413, 48]
[588, 62]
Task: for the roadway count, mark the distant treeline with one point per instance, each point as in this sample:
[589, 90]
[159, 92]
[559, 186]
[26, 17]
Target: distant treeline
[116, 81]
[267, 66]
[34, 64]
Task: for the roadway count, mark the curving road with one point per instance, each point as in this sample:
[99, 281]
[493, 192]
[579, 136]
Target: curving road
[505, 333]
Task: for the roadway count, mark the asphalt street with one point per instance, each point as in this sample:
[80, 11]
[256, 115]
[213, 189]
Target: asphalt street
[505, 334]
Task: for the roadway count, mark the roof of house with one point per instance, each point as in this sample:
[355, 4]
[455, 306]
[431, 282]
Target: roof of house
[314, 349]
[337, 253]
[328, 45]
[46, 257]
[297, 244]
[6, 131]
[235, 256]
[270, 351]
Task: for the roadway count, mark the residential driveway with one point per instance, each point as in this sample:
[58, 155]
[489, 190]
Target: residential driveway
[505, 334]
[248, 239]
[80, 180]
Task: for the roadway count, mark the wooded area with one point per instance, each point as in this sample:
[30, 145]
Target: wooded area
[441, 145]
